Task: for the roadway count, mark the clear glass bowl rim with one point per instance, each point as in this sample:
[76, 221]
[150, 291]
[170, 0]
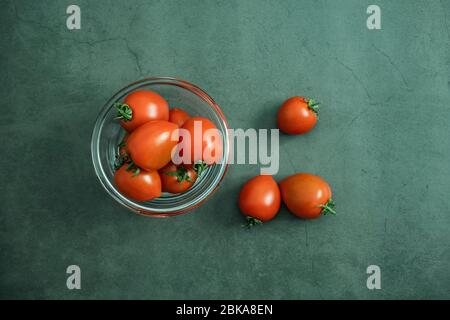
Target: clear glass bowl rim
[112, 191]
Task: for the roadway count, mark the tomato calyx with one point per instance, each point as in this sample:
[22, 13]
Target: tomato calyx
[125, 159]
[181, 173]
[328, 207]
[124, 112]
[251, 222]
[313, 105]
[122, 144]
[121, 159]
[200, 167]
[132, 167]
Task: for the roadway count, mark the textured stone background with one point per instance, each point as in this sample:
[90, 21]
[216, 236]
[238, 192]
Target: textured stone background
[382, 143]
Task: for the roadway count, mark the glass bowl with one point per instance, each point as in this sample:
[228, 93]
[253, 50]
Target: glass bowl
[108, 134]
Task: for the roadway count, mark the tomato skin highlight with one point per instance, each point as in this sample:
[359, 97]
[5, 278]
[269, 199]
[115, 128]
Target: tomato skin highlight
[295, 116]
[260, 198]
[178, 116]
[305, 194]
[146, 105]
[151, 144]
[208, 145]
[170, 183]
[144, 186]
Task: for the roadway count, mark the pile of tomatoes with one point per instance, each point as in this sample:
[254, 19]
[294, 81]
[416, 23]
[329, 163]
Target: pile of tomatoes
[305, 195]
[144, 163]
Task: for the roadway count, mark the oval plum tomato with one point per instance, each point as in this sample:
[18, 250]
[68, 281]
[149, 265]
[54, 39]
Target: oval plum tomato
[140, 107]
[307, 195]
[138, 184]
[260, 199]
[178, 116]
[177, 179]
[151, 144]
[205, 142]
[297, 115]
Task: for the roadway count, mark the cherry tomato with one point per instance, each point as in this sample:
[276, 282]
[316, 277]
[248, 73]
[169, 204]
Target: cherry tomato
[307, 195]
[208, 141]
[260, 199]
[138, 184]
[178, 116]
[151, 144]
[297, 115]
[140, 107]
[177, 179]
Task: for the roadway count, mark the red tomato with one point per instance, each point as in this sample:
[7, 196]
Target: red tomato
[297, 115]
[138, 184]
[307, 195]
[177, 179]
[259, 199]
[178, 116]
[208, 141]
[140, 107]
[151, 144]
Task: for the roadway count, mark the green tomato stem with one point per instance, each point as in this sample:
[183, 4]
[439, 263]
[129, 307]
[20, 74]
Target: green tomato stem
[313, 105]
[124, 112]
[251, 222]
[181, 174]
[328, 207]
[200, 167]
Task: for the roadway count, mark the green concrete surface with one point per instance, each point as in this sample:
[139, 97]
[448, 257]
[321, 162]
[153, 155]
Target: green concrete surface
[382, 142]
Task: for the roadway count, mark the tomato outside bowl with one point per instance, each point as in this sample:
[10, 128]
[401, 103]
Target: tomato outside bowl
[108, 134]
